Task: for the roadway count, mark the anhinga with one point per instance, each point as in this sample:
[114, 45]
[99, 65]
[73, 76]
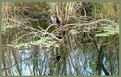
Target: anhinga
[55, 20]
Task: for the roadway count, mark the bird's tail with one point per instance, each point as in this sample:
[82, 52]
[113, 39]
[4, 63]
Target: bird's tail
[62, 27]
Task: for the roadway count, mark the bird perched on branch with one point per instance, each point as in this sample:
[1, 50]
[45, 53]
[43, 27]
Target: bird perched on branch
[55, 20]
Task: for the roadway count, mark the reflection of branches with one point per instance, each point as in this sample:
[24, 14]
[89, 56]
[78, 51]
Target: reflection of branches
[25, 59]
[17, 63]
[100, 64]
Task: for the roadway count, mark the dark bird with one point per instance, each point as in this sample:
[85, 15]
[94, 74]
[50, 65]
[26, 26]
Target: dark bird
[55, 20]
